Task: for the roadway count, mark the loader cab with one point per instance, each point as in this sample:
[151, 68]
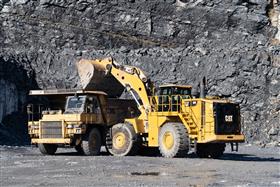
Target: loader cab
[170, 96]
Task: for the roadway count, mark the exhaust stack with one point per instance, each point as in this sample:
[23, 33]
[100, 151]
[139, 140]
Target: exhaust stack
[202, 87]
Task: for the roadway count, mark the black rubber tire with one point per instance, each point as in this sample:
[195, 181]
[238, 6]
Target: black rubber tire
[148, 151]
[217, 150]
[181, 140]
[91, 144]
[210, 150]
[79, 149]
[201, 151]
[131, 143]
[47, 149]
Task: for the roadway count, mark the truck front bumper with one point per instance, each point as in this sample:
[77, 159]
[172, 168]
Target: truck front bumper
[51, 141]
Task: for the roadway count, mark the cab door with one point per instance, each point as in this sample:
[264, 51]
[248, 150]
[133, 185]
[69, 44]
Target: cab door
[164, 99]
[93, 110]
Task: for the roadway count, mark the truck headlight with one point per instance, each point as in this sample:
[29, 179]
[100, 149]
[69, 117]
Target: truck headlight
[70, 126]
[34, 127]
[78, 131]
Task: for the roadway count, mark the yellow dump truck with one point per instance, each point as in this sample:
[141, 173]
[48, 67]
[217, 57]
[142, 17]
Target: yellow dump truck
[73, 118]
[172, 120]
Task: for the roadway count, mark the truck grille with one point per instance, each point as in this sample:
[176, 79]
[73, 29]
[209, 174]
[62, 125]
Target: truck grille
[51, 129]
[227, 118]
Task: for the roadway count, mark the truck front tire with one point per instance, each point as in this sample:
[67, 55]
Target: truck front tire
[47, 149]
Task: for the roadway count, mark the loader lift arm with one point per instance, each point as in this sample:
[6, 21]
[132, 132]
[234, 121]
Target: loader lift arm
[131, 78]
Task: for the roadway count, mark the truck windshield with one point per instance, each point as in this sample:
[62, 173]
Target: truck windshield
[76, 103]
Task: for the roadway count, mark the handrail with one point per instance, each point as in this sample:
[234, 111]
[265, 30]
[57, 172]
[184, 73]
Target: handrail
[167, 103]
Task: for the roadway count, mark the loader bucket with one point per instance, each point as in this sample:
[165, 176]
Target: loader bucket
[94, 76]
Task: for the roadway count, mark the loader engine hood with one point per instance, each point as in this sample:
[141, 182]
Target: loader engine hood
[227, 118]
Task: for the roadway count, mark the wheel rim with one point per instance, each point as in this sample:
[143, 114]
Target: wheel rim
[168, 140]
[119, 140]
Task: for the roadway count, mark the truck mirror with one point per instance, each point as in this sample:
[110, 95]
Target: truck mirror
[29, 108]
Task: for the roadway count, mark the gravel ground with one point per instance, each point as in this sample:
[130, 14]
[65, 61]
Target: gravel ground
[251, 166]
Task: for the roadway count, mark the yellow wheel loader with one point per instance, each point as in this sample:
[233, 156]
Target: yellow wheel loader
[173, 120]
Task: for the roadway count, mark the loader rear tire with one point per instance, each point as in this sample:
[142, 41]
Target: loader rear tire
[123, 141]
[217, 150]
[47, 149]
[173, 140]
[210, 150]
[91, 144]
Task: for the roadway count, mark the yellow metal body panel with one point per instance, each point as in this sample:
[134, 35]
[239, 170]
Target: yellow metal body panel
[75, 118]
[175, 85]
[35, 129]
[51, 140]
[223, 138]
[138, 124]
[155, 122]
[198, 117]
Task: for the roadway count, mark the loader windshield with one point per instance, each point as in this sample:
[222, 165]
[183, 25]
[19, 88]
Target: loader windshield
[75, 104]
[183, 92]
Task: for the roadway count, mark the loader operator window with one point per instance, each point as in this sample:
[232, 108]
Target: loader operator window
[185, 93]
[75, 104]
[170, 98]
[164, 103]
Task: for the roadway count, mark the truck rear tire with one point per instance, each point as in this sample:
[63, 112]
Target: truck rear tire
[124, 140]
[47, 149]
[173, 140]
[210, 150]
[91, 144]
[79, 149]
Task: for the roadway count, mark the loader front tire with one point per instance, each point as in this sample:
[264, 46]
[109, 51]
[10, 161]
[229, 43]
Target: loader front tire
[91, 144]
[47, 149]
[173, 140]
[123, 140]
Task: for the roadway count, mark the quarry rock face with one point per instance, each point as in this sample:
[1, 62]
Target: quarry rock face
[234, 43]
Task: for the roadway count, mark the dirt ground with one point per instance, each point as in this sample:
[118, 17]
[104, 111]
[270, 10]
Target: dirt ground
[251, 166]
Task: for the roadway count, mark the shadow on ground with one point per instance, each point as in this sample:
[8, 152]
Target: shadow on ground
[226, 156]
[247, 157]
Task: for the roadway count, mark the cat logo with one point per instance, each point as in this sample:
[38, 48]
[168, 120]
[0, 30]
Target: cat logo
[228, 118]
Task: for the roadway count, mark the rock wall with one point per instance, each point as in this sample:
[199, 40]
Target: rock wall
[232, 42]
